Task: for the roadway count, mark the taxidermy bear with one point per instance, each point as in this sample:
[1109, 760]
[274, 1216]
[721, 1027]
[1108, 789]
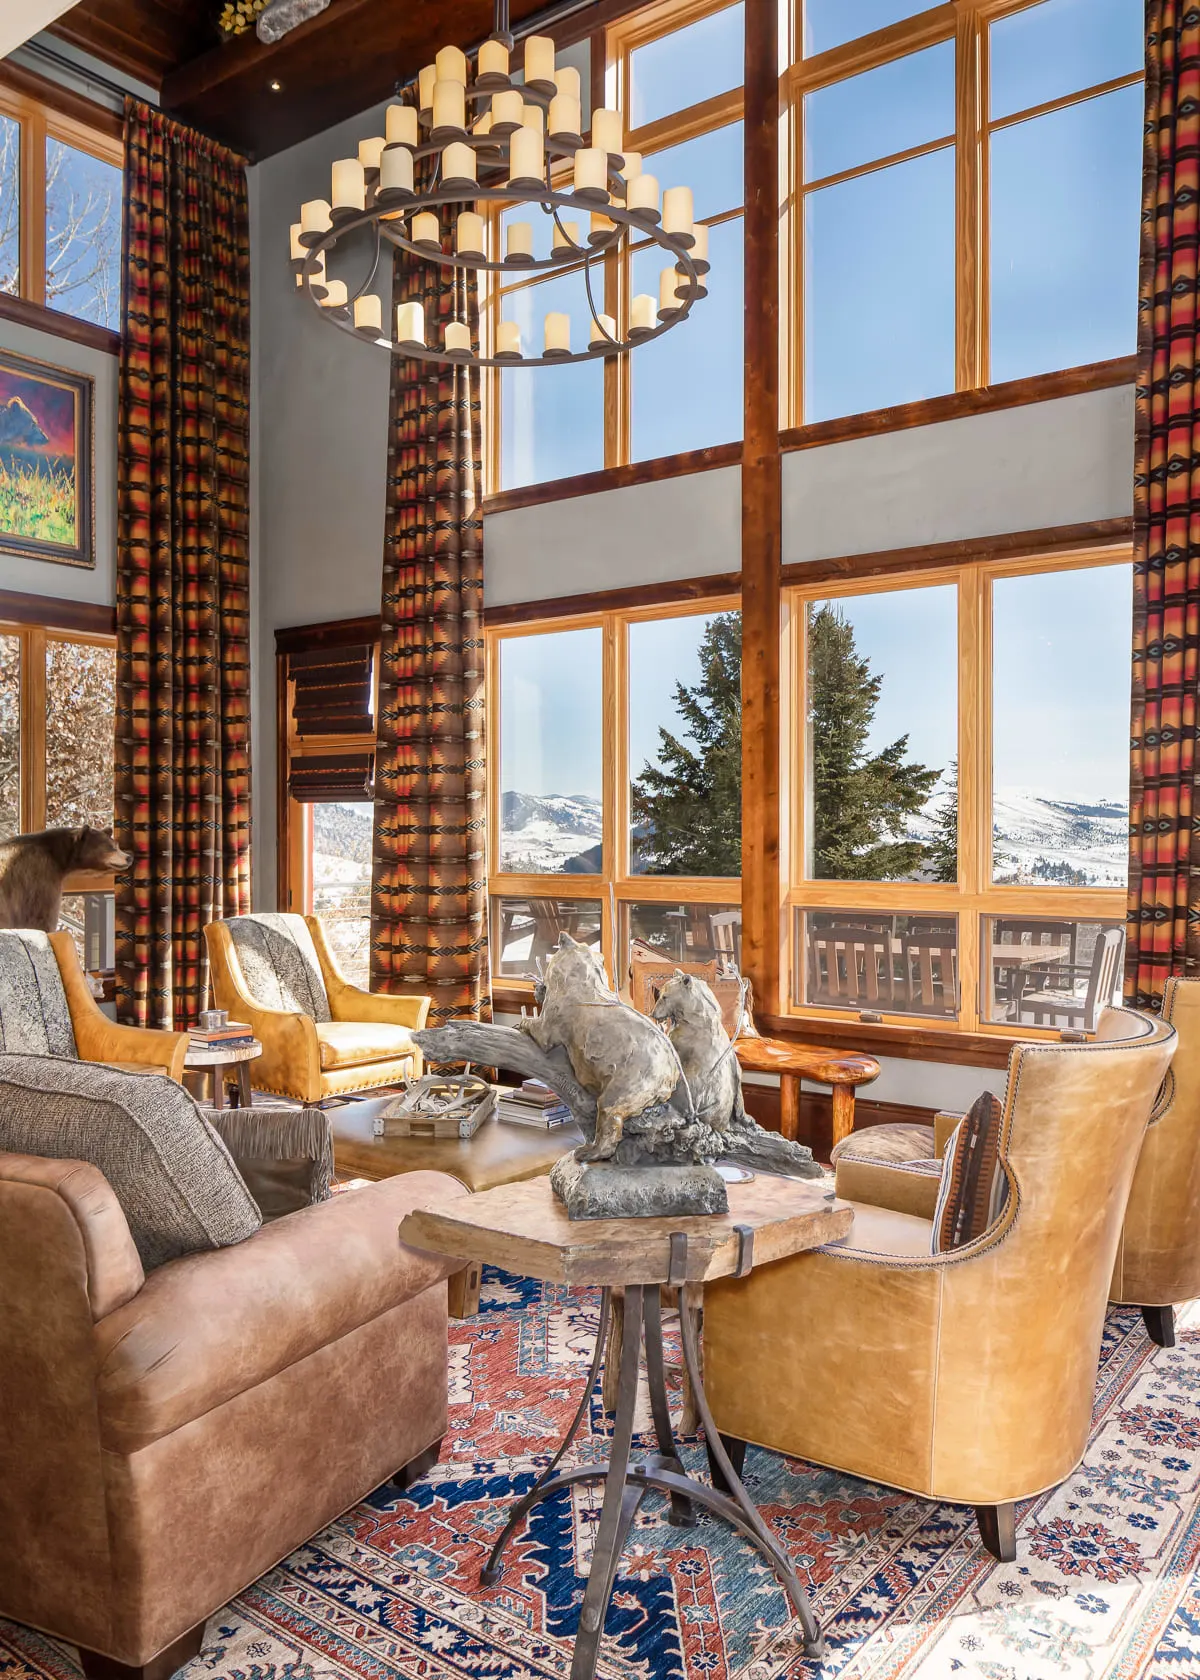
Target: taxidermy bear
[34, 866]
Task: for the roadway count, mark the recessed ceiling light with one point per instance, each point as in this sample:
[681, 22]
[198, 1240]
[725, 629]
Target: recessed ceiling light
[275, 87]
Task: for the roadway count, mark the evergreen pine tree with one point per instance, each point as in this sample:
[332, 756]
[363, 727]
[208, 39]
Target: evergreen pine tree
[943, 844]
[690, 802]
[860, 801]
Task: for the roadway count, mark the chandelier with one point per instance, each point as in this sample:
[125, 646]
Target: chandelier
[492, 141]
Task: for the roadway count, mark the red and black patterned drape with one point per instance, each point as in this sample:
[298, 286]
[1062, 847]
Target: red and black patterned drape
[429, 888]
[183, 601]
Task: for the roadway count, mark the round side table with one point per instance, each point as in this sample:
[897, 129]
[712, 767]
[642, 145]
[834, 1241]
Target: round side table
[216, 1060]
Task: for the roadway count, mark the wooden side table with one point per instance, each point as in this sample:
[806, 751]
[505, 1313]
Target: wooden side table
[523, 1228]
[216, 1061]
[844, 1070]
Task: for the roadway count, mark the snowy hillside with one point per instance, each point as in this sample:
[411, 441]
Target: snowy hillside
[549, 834]
[1053, 842]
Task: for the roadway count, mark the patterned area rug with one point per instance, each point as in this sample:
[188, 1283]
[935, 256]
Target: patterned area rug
[1104, 1584]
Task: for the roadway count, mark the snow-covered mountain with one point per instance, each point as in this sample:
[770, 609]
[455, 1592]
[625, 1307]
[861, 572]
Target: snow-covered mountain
[1039, 840]
[550, 833]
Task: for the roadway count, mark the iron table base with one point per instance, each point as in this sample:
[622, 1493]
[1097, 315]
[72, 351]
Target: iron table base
[627, 1482]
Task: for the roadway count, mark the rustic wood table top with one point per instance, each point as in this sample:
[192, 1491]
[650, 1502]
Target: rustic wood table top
[524, 1229]
[217, 1056]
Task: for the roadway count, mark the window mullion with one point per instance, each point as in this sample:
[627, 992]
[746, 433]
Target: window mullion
[33, 205]
[33, 729]
[969, 286]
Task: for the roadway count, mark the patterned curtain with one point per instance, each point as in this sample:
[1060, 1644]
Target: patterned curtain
[183, 692]
[1164, 851]
[429, 886]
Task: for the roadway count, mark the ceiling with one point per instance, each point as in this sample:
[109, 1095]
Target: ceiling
[338, 63]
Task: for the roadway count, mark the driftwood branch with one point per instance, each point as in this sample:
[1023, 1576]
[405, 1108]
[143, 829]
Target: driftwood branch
[490, 1046]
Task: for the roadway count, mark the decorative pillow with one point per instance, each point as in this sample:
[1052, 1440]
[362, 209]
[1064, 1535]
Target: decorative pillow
[172, 1175]
[280, 962]
[974, 1188]
[903, 1141]
[34, 1017]
[284, 1155]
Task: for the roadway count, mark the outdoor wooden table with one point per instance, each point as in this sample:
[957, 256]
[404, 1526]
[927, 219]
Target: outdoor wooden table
[524, 1228]
[843, 1070]
[1029, 956]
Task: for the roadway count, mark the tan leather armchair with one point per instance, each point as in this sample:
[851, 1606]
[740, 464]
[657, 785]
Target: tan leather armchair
[1158, 1257]
[966, 1376]
[47, 1008]
[168, 1438]
[320, 1035]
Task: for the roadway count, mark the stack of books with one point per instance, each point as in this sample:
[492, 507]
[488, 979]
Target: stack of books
[533, 1104]
[234, 1035]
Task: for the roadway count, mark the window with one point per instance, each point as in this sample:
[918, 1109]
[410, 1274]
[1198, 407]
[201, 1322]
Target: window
[684, 391]
[57, 711]
[339, 849]
[626, 836]
[968, 197]
[60, 211]
[958, 791]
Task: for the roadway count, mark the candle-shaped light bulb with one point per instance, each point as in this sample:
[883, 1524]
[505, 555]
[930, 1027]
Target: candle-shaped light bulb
[532, 116]
[426, 82]
[677, 213]
[601, 227]
[335, 295]
[468, 234]
[297, 250]
[557, 333]
[508, 338]
[526, 156]
[566, 237]
[368, 314]
[539, 59]
[642, 194]
[507, 110]
[519, 241]
[632, 167]
[396, 171]
[451, 65]
[449, 107]
[567, 80]
[314, 216]
[700, 248]
[426, 229]
[458, 336]
[493, 60]
[400, 125]
[410, 323]
[458, 165]
[606, 130]
[564, 119]
[349, 185]
[604, 328]
[668, 303]
[643, 313]
[591, 175]
[370, 151]
[482, 124]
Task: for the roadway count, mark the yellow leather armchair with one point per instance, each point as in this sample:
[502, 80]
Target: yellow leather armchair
[1158, 1257]
[320, 1035]
[965, 1376]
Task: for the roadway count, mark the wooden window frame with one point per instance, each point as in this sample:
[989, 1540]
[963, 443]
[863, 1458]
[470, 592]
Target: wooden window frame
[40, 120]
[974, 895]
[33, 641]
[615, 886]
[612, 49]
[967, 23]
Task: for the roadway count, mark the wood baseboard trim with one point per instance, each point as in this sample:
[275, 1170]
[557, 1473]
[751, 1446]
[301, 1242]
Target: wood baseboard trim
[816, 1115]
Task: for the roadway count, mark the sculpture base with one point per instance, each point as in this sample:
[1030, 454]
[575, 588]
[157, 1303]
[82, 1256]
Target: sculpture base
[600, 1190]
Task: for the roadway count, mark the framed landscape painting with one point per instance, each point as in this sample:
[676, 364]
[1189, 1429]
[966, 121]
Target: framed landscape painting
[46, 444]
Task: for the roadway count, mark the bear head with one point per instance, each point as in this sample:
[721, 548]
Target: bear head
[95, 848]
[685, 998]
[575, 970]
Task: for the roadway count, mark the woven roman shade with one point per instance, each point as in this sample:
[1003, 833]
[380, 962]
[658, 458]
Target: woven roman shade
[336, 777]
[332, 691]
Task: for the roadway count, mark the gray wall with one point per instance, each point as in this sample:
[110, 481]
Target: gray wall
[44, 577]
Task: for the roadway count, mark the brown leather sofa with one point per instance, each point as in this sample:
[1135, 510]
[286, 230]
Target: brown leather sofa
[965, 1376]
[165, 1439]
[1158, 1257]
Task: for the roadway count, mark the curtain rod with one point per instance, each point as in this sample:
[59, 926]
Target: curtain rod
[37, 49]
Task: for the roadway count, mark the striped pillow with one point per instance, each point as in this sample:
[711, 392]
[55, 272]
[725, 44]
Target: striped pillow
[974, 1188]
